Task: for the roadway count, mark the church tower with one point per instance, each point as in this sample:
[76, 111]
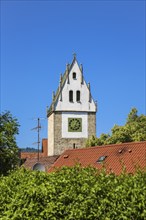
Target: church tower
[72, 114]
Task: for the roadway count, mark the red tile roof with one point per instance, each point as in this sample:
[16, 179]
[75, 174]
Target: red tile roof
[128, 154]
[45, 161]
[29, 159]
[44, 153]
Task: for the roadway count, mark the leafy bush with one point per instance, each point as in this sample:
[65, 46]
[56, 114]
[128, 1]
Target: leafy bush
[72, 193]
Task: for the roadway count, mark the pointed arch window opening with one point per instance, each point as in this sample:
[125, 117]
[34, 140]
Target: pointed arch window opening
[71, 96]
[78, 96]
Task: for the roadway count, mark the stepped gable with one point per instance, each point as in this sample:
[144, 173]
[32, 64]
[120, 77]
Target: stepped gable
[63, 80]
[72, 113]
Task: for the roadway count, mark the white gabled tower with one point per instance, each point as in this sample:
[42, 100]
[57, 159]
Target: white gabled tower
[72, 114]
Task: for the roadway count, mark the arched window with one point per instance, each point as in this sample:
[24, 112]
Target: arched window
[74, 75]
[78, 96]
[71, 96]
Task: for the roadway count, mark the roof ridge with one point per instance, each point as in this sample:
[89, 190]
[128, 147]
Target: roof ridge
[109, 145]
[131, 160]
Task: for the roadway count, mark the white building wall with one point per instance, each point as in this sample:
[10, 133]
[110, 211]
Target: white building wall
[74, 85]
[83, 133]
[59, 138]
[51, 135]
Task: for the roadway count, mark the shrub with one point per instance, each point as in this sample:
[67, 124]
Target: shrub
[72, 193]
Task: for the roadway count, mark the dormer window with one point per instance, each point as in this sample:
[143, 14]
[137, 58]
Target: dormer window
[78, 96]
[74, 75]
[71, 96]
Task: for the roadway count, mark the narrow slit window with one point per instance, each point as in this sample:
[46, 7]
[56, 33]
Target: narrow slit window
[78, 96]
[74, 75]
[71, 96]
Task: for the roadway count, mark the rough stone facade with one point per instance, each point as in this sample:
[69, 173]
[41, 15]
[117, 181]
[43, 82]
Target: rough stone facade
[62, 144]
[91, 124]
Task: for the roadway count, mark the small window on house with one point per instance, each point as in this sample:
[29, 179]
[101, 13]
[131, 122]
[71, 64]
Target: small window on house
[101, 159]
[71, 96]
[78, 96]
[74, 75]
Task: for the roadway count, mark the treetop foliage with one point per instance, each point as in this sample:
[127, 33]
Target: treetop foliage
[9, 128]
[133, 130]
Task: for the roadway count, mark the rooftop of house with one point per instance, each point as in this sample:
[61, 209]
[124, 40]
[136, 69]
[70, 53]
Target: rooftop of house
[43, 153]
[29, 159]
[45, 161]
[113, 157]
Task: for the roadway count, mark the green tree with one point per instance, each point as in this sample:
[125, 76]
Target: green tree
[133, 130]
[9, 157]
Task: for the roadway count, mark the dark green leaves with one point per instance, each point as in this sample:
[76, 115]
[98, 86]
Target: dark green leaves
[8, 147]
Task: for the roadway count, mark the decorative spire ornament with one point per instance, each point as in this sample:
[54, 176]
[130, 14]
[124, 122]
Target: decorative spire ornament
[89, 92]
[67, 70]
[81, 68]
[60, 87]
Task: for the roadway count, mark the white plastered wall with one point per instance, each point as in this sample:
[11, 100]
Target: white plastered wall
[51, 135]
[74, 85]
[83, 133]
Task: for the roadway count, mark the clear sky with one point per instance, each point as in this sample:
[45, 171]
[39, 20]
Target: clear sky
[38, 38]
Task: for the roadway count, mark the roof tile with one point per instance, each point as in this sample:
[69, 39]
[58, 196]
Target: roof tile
[128, 155]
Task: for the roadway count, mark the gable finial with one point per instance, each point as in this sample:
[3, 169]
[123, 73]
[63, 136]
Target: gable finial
[53, 96]
[53, 99]
[89, 92]
[96, 105]
[81, 68]
[60, 85]
[67, 67]
[61, 78]
[67, 71]
[74, 55]
[47, 109]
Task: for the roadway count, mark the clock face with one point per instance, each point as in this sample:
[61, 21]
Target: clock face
[74, 124]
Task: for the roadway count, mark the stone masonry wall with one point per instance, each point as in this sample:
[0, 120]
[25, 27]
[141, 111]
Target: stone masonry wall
[91, 124]
[62, 144]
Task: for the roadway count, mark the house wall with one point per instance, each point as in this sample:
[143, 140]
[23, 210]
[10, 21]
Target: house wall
[91, 124]
[84, 118]
[62, 143]
[62, 136]
[51, 134]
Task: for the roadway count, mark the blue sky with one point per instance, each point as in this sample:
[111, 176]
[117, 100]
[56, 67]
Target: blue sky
[38, 38]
